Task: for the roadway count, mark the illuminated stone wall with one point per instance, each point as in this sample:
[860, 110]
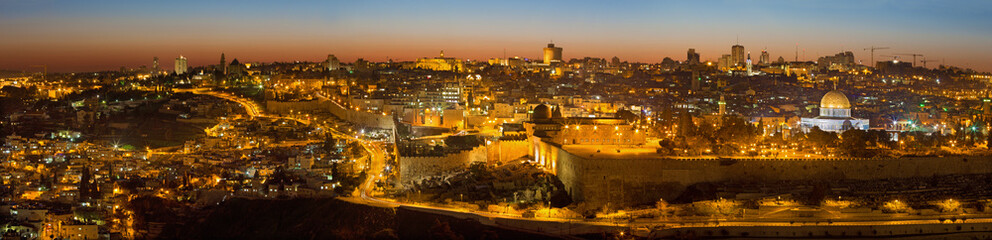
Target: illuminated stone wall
[360, 118]
[417, 168]
[631, 181]
[920, 231]
[502, 151]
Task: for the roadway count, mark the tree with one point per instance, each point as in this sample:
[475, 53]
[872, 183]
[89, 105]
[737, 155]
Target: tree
[735, 130]
[442, 230]
[665, 209]
[817, 194]
[895, 206]
[854, 142]
[463, 142]
[820, 137]
[661, 204]
[355, 149]
[698, 144]
[949, 205]
[84, 184]
[880, 138]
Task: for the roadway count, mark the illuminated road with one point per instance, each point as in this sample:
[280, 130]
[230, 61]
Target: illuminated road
[250, 107]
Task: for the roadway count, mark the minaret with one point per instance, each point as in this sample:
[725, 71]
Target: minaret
[749, 73]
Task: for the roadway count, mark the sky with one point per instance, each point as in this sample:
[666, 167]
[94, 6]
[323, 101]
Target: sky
[78, 36]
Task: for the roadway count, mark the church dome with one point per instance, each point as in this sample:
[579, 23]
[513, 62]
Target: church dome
[836, 100]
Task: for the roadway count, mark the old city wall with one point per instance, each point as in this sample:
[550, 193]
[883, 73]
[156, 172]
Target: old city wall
[902, 231]
[359, 118]
[502, 151]
[417, 168]
[638, 181]
[279, 107]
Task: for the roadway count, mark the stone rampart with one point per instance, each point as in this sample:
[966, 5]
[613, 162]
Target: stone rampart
[414, 168]
[638, 180]
[934, 230]
[360, 118]
[502, 151]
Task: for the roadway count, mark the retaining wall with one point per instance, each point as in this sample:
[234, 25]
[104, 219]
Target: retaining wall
[360, 118]
[502, 151]
[644, 180]
[908, 231]
[417, 168]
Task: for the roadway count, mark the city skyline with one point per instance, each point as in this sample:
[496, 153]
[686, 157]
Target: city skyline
[109, 35]
[742, 119]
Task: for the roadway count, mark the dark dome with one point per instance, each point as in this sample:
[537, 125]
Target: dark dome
[541, 112]
[626, 115]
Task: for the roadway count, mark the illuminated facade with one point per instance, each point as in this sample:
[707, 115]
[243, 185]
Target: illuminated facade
[332, 63]
[552, 54]
[725, 63]
[440, 63]
[181, 65]
[841, 61]
[749, 72]
[549, 126]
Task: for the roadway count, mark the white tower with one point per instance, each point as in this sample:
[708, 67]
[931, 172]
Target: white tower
[749, 72]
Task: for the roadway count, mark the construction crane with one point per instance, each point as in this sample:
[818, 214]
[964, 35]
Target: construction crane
[911, 54]
[872, 49]
[925, 61]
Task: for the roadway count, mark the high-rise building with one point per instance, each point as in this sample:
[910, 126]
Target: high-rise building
[615, 62]
[332, 62]
[764, 60]
[737, 55]
[840, 61]
[155, 64]
[181, 65]
[692, 57]
[223, 64]
[725, 62]
[552, 54]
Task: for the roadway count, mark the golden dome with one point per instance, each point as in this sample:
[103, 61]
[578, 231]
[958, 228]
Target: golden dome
[835, 99]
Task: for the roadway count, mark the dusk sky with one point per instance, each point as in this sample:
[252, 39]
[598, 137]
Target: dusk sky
[105, 35]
